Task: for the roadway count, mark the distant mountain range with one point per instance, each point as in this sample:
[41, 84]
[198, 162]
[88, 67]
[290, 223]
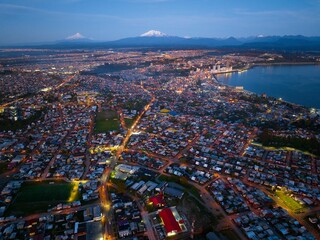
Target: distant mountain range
[157, 39]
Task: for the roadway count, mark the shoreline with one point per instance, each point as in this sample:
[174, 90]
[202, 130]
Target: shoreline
[215, 76]
[275, 64]
[250, 66]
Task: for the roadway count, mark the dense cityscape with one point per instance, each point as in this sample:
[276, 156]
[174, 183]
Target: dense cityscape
[149, 144]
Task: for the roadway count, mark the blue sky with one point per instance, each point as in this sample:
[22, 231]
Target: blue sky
[48, 20]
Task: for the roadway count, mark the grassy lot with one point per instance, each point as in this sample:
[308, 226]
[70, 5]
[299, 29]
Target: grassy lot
[291, 203]
[198, 214]
[129, 122]
[230, 234]
[106, 121]
[3, 167]
[36, 197]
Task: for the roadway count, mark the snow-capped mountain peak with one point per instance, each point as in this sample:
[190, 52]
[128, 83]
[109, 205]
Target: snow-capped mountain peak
[153, 33]
[76, 37]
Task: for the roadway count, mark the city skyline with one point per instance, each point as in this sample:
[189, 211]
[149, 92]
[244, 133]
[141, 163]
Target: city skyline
[39, 21]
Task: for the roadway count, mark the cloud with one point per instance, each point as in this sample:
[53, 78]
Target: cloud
[19, 7]
[13, 9]
[265, 13]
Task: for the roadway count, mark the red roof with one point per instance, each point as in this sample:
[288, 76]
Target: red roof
[157, 200]
[170, 223]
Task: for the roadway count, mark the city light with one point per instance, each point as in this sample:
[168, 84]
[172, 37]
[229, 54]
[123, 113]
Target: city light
[106, 206]
[75, 189]
[46, 89]
[243, 154]
[136, 133]
[74, 192]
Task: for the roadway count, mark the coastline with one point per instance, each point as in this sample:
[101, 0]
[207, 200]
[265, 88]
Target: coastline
[250, 66]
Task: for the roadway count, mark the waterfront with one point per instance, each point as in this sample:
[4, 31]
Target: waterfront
[298, 84]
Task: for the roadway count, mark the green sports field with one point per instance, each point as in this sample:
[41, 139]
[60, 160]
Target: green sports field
[37, 196]
[290, 202]
[106, 121]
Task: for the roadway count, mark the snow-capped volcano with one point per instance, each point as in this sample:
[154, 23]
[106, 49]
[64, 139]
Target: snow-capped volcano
[76, 36]
[153, 33]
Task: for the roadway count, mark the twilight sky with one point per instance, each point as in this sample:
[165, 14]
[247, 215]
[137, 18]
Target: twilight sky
[23, 21]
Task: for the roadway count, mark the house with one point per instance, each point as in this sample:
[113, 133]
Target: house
[158, 200]
[97, 215]
[161, 186]
[174, 192]
[170, 223]
[124, 230]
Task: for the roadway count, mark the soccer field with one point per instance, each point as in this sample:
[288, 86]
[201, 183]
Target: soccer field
[290, 202]
[106, 121]
[36, 197]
